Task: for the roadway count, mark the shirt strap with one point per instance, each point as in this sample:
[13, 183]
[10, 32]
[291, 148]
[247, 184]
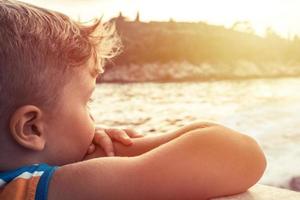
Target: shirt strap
[43, 184]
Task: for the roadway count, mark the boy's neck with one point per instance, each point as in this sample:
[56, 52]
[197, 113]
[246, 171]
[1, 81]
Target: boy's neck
[12, 158]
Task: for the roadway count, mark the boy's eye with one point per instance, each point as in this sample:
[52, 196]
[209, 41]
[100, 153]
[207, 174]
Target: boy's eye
[91, 100]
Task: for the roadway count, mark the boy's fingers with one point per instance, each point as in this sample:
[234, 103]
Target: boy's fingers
[102, 139]
[132, 133]
[119, 135]
[91, 149]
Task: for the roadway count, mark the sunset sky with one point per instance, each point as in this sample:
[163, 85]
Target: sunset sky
[282, 15]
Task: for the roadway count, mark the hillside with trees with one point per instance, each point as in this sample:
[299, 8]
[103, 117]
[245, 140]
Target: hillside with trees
[158, 51]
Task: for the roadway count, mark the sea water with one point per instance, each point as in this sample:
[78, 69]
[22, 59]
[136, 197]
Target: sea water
[266, 109]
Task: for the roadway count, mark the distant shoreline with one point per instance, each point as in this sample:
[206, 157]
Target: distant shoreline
[203, 80]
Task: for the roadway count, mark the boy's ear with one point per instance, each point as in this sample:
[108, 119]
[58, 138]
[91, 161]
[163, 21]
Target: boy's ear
[26, 127]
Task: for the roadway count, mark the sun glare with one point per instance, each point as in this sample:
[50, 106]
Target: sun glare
[280, 15]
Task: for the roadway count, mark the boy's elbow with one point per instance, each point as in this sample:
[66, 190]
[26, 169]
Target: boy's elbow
[249, 158]
[243, 161]
[255, 160]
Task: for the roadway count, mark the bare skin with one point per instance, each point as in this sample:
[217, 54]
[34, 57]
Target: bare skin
[198, 161]
[198, 164]
[140, 145]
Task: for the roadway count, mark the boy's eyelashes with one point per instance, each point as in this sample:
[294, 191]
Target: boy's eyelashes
[91, 116]
[91, 100]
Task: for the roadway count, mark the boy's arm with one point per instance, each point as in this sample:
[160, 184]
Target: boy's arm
[201, 164]
[147, 143]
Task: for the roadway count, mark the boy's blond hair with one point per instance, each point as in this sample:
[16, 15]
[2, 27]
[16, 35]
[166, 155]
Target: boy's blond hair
[38, 46]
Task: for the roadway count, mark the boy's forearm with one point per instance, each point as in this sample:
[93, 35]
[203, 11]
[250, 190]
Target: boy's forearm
[147, 143]
[138, 146]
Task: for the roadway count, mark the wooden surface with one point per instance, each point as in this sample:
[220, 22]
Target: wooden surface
[262, 192]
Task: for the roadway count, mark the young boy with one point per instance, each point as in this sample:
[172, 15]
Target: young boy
[48, 70]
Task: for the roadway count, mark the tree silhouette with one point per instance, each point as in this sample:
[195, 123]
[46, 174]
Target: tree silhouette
[200, 43]
[137, 18]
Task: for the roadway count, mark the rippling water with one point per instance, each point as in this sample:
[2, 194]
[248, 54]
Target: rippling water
[266, 109]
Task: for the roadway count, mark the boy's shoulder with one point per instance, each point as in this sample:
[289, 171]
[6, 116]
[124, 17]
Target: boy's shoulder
[28, 182]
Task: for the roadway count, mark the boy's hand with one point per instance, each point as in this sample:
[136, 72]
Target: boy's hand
[104, 138]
